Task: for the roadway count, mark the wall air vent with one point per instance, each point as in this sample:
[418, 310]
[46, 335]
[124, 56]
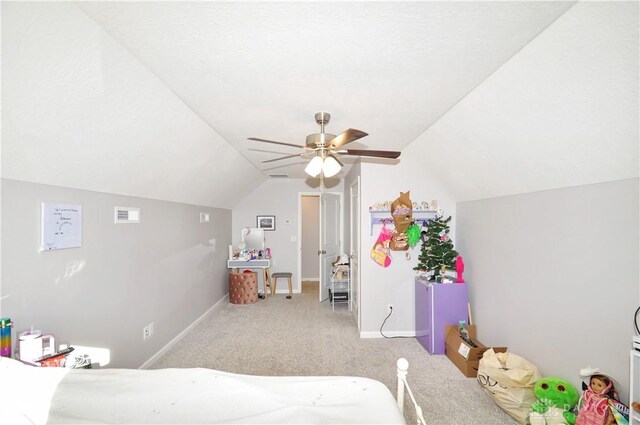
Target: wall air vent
[126, 215]
[279, 176]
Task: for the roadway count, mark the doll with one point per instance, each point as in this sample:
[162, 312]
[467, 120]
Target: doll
[594, 404]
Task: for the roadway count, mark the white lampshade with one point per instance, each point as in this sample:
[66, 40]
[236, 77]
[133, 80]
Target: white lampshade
[314, 167]
[330, 167]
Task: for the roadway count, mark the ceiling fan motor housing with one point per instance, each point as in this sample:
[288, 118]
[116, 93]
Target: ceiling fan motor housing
[320, 140]
[322, 118]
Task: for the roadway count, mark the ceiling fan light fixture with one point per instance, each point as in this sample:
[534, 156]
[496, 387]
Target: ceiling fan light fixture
[330, 167]
[314, 167]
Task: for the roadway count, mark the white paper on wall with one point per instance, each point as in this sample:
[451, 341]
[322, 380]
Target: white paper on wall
[61, 226]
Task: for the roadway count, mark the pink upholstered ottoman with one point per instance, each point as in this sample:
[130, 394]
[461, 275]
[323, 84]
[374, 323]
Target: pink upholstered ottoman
[243, 288]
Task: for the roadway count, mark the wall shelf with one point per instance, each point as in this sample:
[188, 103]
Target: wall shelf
[381, 216]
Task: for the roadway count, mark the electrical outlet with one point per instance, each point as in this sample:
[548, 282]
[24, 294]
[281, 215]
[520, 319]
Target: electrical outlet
[389, 308]
[145, 333]
[151, 329]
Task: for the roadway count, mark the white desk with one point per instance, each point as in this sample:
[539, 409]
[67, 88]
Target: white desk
[263, 264]
[249, 264]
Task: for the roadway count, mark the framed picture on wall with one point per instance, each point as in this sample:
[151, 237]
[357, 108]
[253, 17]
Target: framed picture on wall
[266, 222]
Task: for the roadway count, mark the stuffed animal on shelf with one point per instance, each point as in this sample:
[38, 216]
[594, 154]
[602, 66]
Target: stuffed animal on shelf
[595, 403]
[556, 400]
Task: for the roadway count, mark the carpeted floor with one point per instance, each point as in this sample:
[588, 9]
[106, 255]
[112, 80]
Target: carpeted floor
[301, 336]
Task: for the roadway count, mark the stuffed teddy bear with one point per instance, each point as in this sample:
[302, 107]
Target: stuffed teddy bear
[557, 398]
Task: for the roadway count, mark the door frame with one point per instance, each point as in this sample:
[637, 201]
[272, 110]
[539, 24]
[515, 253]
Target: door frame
[318, 194]
[357, 218]
[300, 195]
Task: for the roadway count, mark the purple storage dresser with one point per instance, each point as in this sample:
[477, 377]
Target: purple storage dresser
[438, 305]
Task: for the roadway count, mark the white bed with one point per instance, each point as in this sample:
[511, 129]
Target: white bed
[179, 396]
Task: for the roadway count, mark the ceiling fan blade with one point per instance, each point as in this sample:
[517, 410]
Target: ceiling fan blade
[278, 143]
[347, 137]
[271, 151]
[285, 157]
[377, 154]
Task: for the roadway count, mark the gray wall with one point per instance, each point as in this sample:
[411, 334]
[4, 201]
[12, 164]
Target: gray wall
[553, 275]
[279, 197]
[169, 269]
[310, 237]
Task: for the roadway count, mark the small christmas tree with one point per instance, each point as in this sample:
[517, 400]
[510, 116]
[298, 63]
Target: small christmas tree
[437, 248]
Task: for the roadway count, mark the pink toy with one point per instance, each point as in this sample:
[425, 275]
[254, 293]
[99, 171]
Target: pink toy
[380, 250]
[459, 269]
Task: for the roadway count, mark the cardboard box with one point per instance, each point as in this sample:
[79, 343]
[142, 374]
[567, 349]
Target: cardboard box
[465, 357]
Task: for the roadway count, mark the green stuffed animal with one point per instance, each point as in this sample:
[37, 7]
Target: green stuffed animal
[556, 401]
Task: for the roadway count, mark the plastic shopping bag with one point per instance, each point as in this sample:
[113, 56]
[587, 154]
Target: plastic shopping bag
[509, 380]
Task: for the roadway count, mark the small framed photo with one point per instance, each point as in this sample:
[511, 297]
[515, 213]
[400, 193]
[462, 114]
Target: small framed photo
[266, 222]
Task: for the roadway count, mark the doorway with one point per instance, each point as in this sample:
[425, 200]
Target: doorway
[309, 241]
[324, 210]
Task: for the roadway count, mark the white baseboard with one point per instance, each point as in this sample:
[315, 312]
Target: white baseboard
[313, 279]
[181, 335]
[377, 334]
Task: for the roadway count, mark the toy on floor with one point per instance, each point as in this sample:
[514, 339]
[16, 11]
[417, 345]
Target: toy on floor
[636, 406]
[595, 401]
[556, 401]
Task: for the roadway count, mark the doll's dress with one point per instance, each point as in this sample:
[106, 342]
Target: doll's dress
[594, 411]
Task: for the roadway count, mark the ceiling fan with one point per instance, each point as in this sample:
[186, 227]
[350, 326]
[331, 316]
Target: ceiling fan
[325, 148]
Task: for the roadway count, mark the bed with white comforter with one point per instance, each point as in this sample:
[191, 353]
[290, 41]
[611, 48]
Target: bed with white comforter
[186, 396]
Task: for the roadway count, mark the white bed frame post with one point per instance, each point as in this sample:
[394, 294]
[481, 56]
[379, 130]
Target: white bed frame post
[403, 368]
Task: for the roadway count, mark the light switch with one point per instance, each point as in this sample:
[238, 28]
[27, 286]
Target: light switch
[294, 238]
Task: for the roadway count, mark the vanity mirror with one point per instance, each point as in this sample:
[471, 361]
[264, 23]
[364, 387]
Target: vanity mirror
[253, 238]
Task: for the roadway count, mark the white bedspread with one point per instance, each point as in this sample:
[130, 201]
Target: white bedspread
[181, 396]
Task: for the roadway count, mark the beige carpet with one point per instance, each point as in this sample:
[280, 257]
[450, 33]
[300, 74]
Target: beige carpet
[301, 336]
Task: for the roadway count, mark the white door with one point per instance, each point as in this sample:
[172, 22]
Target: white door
[329, 238]
[354, 250]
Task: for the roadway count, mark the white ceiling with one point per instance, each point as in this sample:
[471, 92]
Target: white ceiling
[263, 69]
[562, 112]
[157, 99]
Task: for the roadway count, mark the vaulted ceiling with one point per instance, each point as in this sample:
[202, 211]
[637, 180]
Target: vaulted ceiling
[157, 99]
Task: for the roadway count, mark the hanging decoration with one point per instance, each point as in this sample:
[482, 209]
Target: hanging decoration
[413, 235]
[402, 213]
[380, 251]
[399, 241]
